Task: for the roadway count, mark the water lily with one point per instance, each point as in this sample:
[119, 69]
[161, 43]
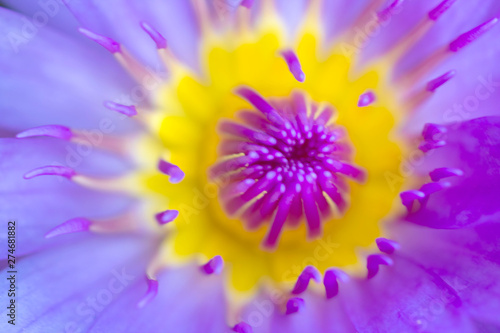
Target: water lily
[251, 166]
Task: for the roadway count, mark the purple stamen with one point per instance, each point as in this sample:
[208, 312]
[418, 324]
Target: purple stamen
[438, 82]
[247, 3]
[280, 161]
[387, 245]
[331, 281]
[106, 42]
[374, 261]
[387, 12]
[54, 170]
[160, 41]
[366, 99]
[128, 110]
[440, 9]
[242, 327]
[430, 145]
[430, 188]
[279, 220]
[173, 171]
[166, 216]
[430, 130]
[294, 65]
[408, 197]
[213, 266]
[150, 293]
[78, 224]
[440, 173]
[262, 105]
[308, 273]
[294, 305]
[311, 212]
[471, 35]
[55, 131]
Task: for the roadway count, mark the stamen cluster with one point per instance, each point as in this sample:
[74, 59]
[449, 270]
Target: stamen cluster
[284, 162]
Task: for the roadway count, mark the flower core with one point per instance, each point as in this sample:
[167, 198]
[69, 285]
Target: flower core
[282, 164]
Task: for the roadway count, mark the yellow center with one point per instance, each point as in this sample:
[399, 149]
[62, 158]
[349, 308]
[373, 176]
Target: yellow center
[192, 108]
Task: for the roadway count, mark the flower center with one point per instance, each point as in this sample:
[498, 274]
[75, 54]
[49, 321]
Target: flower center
[278, 172]
[283, 163]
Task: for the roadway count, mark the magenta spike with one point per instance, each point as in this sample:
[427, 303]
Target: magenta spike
[440, 173]
[332, 191]
[128, 110]
[173, 171]
[242, 327]
[366, 99]
[271, 200]
[438, 82]
[160, 41]
[331, 281]
[430, 145]
[430, 188]
[374, 261]
[259, 186]
[307, 274]
[323, 118]
[55, 131]
[106, 42]
[387, 245]
[294, 65]
[471, 35]
[408, 197]
[262, 105]
[237, 188]
[247, 3]
[280, 218]
[294, 304]
[430, 130]
[246, 133]
[350, 171]
[440, 9]
[213, 266]
[311, 212]
[151, 293]
[387, 12]
[78, 224]
[53, 170]
[296, 211]
[166, 216]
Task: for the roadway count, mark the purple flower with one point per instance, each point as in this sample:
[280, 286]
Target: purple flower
[250, 166]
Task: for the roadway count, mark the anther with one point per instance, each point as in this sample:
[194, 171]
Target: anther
[374, 261]
[151, 292]
[128, 110]
[366, 99]
[294, 65]
[78, 224]
[160, 41]
[307, 274]
[213, 266]
[294, 305]
[106, 42]
[440, 173]
[166, 216]
[387, 245]
[52, 170]
[55, 131]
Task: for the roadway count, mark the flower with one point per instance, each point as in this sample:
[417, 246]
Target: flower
[267, 166]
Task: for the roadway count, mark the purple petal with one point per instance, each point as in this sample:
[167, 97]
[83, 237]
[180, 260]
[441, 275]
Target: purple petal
[38, 67]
